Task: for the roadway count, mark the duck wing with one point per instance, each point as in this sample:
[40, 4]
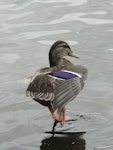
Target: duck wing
[67, 89]
[59, 87]
[41, 88]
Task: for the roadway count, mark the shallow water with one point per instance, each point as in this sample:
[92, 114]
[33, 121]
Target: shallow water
[27, 29]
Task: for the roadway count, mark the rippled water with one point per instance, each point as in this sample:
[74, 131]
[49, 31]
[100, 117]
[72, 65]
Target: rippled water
[27, 29]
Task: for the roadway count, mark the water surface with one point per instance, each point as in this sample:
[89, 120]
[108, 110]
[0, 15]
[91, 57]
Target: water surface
[27, 30]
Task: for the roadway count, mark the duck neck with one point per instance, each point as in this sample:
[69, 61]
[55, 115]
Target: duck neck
[54, 61]
[60, 62]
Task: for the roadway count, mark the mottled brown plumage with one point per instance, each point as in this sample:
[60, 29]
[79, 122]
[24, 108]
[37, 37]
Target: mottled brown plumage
[57, 85]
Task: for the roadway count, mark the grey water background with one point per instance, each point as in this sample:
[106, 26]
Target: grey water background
[27, 30]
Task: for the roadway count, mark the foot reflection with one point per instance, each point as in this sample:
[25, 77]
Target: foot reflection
[64, 141]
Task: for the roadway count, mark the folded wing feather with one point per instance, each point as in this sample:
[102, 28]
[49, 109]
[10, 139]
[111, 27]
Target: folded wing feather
[60, 87]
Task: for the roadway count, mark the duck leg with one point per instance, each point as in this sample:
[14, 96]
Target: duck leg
[62, 116]
[56, 118]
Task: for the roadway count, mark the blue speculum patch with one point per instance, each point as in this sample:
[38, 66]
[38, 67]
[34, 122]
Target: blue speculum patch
[63, 75]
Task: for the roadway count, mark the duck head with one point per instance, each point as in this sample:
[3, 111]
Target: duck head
[58, 50]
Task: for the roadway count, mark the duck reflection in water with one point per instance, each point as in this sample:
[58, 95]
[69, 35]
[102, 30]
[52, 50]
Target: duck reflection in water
[64, 141]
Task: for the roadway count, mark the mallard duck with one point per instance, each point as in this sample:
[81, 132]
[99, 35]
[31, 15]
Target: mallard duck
[57, 85]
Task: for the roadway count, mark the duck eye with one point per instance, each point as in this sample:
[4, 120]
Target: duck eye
[65, 46]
